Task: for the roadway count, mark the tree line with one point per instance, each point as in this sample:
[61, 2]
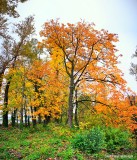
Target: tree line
[70, 76]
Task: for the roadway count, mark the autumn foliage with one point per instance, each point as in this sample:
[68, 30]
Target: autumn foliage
[77, 82]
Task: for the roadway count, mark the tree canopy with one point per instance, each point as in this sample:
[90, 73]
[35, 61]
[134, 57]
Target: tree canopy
[8, 7]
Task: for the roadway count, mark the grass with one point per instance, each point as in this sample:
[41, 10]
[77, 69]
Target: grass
[52, 142]
[40, 143]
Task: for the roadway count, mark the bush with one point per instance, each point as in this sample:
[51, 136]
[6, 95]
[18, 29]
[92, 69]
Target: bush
[117, 139]
[90, 142]
[98, 138]
[79, 141]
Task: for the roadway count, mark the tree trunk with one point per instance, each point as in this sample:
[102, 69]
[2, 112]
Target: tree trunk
[21, 118]
[5, 114]
[76, 111]
[13, 118]
[1, 79]
[4, 65]
[33, 118]
[70, 102]
[46, 120]
[17, 121]
[39, 119]
[34, 122]
[25, 117]
[76, 117]
[28, 121]
[25, 107]
[5, 119]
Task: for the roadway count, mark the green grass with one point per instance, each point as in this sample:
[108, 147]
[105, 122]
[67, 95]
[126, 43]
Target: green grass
[54, 141]
[40, 143]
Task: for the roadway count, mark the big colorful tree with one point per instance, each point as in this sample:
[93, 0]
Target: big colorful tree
[89, 57]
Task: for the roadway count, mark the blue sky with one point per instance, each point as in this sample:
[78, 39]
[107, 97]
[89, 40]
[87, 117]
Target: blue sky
[116, 16]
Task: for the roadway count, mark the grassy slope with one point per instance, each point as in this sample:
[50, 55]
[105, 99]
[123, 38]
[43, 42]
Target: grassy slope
[40, 143]
[52, 142]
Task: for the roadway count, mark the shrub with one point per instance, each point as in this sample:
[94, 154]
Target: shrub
[79, 141]
[90, 142]
[117, 139]
[98, 138]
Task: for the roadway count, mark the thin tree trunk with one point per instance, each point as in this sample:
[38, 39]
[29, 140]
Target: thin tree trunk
[21, 118]
[21, 113]
[13, 118]
[31, 113]
[34, 122]
[17, 121]
[46, 120]
[4, 66]
[5, 114]
[76, 117]
[76, 111]
[70, 108]
[1, 79]
[25, 110]
[25, 117]
[33, 118]
[23, 103]
[39, 119]
[28, 121]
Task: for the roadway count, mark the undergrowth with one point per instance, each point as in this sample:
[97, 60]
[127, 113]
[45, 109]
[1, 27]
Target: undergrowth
[60, 143]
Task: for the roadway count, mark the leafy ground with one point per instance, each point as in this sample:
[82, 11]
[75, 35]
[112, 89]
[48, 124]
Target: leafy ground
[50, 143]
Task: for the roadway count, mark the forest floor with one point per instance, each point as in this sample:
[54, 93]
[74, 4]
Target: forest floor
[50, 143]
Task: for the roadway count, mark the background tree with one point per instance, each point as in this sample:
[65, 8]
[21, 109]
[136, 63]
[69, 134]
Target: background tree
[8, 7]
[48, 93]
[133, 69]
[23, 30]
